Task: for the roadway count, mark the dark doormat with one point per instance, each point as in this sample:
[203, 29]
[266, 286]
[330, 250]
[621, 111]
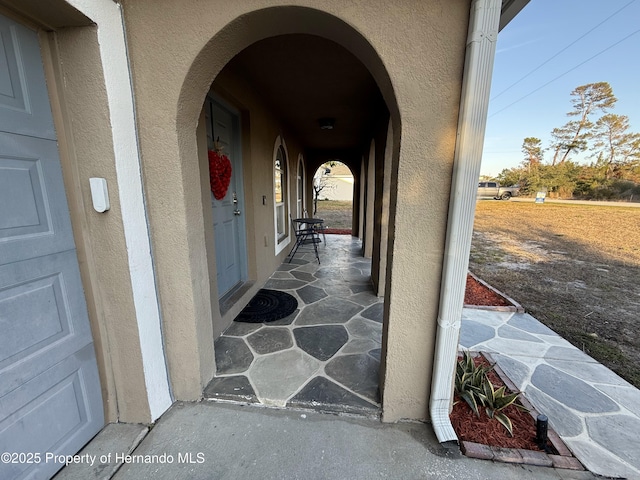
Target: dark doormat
[268, 306]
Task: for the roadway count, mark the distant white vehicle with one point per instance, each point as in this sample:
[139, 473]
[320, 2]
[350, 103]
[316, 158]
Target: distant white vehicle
[494, 190]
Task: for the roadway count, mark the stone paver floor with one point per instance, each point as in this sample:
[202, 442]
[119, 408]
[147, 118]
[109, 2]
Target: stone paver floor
[595, 412]
[326, 355]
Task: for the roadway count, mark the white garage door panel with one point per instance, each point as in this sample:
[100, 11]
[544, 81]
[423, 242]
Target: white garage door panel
[60, 413]
[34, 217]
[23, 89]
[43, 316]
[50, 395]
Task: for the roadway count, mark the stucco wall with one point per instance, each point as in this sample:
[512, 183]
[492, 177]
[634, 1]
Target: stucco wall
[79, 104]
[415, 52]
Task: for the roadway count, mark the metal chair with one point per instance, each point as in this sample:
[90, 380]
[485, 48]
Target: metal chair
[302, 235]
[320, 228]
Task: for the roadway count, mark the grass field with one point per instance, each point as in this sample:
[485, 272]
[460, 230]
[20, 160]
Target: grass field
[576, 268]
[335, 213]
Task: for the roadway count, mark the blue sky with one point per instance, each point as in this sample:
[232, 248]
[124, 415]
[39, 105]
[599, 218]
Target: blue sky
[541, 30]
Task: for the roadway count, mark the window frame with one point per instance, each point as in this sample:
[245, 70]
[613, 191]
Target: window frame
[281, 208]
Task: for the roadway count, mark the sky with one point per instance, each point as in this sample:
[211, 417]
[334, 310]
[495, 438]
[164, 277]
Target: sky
[534, 71]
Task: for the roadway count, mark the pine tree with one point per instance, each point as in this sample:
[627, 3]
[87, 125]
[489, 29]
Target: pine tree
[573, 136]
[616, 148]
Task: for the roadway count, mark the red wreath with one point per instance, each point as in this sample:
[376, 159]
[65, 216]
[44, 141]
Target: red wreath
[219, 173]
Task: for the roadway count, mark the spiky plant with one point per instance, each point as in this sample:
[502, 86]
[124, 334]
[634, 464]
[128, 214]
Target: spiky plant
[474, 387]
[495, 401]
[470, 379]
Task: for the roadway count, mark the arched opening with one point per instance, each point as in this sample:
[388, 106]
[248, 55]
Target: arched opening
[192, 45]
[333, 190]
[284, 89]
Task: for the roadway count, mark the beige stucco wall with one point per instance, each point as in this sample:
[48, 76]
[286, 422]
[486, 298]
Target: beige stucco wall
[415, 52]
[79, 104]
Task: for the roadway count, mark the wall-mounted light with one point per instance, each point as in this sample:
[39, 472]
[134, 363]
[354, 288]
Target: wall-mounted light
[326, 123]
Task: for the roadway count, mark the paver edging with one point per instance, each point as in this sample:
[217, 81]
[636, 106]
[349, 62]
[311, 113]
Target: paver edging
[515, 306]
[563, 459]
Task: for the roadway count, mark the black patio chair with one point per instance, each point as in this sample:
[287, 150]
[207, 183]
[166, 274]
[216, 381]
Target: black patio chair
[303, 235]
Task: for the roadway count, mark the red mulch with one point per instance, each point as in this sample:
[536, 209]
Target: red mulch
[478, 294]
[338, 231]
[488, 431]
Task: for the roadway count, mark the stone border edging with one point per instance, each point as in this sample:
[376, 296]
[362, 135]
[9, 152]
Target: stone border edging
[564, 459]
[516, 307]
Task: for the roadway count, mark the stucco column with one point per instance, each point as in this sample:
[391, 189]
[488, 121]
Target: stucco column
[370, 201]
[384, 219]
[474, 104]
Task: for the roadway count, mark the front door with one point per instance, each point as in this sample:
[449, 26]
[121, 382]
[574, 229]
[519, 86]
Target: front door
[50, 397]
[223, 126]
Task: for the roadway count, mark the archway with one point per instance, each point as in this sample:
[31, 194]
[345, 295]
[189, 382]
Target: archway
[177, 50]
[333, 195]
[262, 122]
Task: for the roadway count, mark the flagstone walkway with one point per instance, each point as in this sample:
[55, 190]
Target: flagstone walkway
[595, 412]
[324, 356]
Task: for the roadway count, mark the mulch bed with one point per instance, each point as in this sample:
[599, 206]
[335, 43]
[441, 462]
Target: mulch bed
[489, 431]
[338, 231]
[478, 294]
[484, 437]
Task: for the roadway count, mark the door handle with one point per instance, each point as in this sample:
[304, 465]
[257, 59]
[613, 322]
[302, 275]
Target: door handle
[235, 204]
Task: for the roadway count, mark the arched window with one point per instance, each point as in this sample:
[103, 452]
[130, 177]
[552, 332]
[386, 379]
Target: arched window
[281, 195]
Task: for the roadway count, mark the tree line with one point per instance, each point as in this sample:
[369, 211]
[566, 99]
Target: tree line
[613, 172]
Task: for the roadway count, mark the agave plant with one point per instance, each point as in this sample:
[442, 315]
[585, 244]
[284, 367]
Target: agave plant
[470, 379]
[474, 387]
[495, 401]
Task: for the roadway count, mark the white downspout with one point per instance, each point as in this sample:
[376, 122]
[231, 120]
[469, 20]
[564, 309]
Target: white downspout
[474, 104]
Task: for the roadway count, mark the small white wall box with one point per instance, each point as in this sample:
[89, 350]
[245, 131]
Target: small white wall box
[99, 194]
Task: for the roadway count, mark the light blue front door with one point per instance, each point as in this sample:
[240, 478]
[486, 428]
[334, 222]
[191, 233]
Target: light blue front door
[50, 396]
[223, 125]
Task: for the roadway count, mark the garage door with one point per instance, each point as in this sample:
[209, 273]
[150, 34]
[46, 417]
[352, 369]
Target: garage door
[50, 399]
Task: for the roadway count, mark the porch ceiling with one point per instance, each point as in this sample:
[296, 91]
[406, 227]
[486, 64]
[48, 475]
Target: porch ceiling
[304, 78]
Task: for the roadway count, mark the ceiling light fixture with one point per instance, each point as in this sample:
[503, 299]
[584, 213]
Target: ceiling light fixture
[326, 123]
